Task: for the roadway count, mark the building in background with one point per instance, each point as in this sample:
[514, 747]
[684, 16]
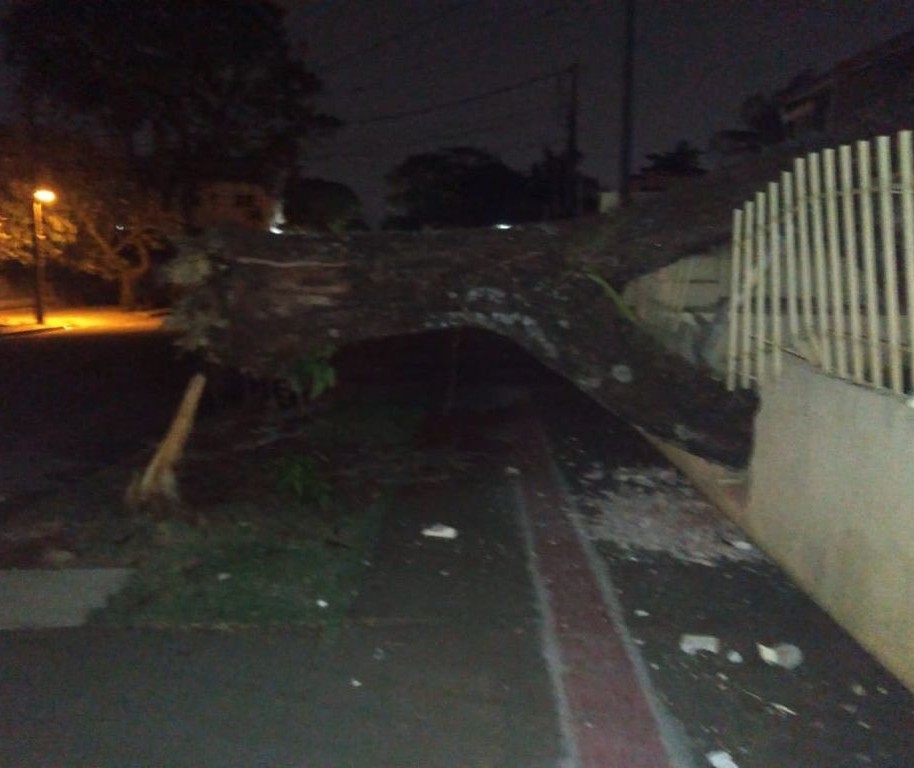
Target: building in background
[867, 95]
[237, 203]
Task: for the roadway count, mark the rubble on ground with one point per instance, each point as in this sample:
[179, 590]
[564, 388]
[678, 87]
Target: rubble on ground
[656, 509]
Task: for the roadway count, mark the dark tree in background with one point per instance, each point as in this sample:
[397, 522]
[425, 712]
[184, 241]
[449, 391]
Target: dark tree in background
[319, 205]
[183, 89]
[760, 114]
[682, 160]
[455, 187]
[558, 190]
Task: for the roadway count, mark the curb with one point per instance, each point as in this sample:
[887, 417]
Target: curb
[608, 711]
[31, 331]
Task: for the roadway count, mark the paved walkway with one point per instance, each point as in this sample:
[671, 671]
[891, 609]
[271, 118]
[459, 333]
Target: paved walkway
[506, 646]
[455, 656]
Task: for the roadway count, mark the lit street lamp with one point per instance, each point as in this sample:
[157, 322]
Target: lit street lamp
[39, 197]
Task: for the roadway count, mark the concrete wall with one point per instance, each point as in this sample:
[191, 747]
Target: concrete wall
[832, 499]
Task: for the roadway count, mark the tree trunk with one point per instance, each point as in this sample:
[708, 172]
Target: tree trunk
[258, 302]
[127, 290]
[267, 301]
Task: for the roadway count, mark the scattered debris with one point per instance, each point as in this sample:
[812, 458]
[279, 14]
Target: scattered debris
[656, 509]
[734, 657]
[622, 373]
[595, 475]
[439, 531]
[721, 759]
[858, 689]
[224, 576]
[781, 709]
[784, 655]
[379, 654]
[58, 558]
[692, 644]
[641, 613]
[322, 603]
[512, 471]
[355, 683]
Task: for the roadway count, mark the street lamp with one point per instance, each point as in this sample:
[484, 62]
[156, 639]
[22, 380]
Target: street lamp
[39, 197]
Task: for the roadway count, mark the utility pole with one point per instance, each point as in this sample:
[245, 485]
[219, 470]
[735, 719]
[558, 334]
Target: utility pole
[625, 132]
[572, 198]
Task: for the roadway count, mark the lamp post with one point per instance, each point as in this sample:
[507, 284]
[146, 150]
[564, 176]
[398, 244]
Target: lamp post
[39, 197]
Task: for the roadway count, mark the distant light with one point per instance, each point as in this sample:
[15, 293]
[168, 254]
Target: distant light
[44, 195]
[503, 225]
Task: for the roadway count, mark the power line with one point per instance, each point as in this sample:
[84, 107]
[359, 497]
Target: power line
[494, 28]
[457, 102]
[399, 35]
[481, 129]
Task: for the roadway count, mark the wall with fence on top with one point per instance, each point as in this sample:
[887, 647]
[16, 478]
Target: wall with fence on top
[683, 305]
[823, 267]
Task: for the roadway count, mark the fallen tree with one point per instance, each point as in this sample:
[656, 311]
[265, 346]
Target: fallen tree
[259, 303]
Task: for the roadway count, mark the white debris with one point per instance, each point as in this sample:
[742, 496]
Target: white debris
[655, 509]
[858, 689]
[782, 709]
[594, 474]
[379, 654]
[721, 759]
[512, 471]
[439, 531]
[784, 655]
[692, 644]
[641, 613]
[622, 373]
[322, 603]
[734, 657]
[224, 576]
[355, 683]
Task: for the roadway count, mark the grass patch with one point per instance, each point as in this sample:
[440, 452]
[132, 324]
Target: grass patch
[239, 574]
[282, 511]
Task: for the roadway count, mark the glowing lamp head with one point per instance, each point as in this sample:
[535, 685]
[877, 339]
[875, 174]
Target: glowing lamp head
[44, 196]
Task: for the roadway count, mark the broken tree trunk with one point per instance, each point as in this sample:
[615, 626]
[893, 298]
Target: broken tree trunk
[157, 487]
[259, 302]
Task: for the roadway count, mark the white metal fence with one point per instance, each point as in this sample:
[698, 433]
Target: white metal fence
[823, 267]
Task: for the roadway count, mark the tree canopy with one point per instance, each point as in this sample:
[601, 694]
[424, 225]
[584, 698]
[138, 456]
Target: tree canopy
[187, 90]
[320, 205]
[682, 160]
[454, 187]
[103, 222]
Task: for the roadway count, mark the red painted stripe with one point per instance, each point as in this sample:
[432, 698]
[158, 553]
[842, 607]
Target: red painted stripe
[612, 721]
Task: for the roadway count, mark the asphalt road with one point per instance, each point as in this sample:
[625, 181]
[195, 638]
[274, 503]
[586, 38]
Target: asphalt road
[71, 403]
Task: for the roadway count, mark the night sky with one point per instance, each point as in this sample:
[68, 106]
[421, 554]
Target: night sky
[696, 61]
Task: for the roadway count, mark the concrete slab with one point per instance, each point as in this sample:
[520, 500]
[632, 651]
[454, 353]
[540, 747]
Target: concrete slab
[39, 599]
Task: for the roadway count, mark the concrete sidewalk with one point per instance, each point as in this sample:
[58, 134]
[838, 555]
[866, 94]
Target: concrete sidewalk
[496, 648]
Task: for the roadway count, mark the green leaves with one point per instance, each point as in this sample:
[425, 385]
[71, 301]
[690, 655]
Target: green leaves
[298, 477]
[613, 295]
[314, 371]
